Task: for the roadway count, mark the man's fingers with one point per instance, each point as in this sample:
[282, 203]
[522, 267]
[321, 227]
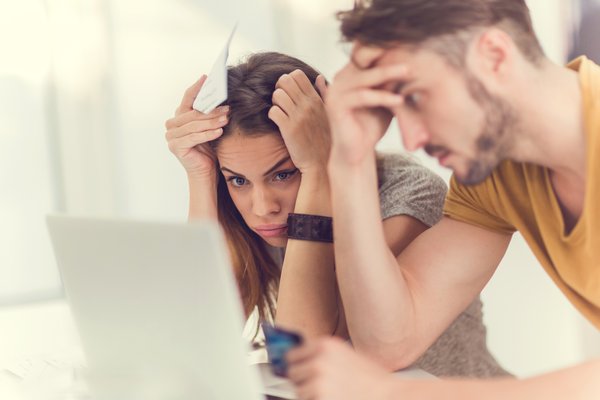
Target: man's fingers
[302, 353]
[364, 57]
[190, 95]
[351, 78]
[306, 391]
[301, 372]
[372, 98]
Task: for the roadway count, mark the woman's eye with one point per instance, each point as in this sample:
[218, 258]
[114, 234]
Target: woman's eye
[237, 181]
[283, 176]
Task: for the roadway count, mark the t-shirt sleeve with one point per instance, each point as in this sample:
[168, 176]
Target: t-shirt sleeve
[408, 188]
[471, 204]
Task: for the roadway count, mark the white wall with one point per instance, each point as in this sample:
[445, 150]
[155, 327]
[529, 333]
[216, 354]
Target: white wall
[118, 73]
[27, 185]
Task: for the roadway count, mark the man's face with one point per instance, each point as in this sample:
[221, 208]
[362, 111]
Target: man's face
[448, 112]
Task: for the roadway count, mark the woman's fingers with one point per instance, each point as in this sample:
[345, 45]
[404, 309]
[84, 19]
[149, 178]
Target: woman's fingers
[303, 83]
[277, 115]
[321, 85]
[194, 115]
[282, 99]
[190, 95]
[287, 83]
[183, 144]
[196, 126]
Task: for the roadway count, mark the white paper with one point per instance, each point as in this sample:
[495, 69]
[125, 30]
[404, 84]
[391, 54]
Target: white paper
[214, 89]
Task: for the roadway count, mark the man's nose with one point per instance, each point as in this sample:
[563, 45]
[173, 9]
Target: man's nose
[414, 134]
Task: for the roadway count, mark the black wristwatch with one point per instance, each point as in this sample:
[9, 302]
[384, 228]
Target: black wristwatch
[315, 228]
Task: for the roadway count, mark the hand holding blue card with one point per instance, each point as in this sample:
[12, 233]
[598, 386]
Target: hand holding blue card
[279, 342]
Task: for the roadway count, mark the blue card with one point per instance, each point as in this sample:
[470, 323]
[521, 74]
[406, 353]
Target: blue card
[279, 342]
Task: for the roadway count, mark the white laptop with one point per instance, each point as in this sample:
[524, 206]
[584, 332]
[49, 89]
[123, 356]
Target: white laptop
[157, 310]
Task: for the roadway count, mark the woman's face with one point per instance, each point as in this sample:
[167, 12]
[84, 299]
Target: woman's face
[262, 181]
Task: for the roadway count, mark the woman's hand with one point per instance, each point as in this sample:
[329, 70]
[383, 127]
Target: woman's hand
[299, 112]
[189, 131]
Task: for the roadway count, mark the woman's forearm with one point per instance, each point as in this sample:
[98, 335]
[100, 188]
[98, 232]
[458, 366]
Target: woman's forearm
[203, 198]
[307, 300]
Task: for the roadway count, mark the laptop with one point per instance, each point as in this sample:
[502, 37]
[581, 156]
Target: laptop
[157, 310]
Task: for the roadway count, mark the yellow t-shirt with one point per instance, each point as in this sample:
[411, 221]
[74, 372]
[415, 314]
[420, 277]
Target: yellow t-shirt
[519, 196]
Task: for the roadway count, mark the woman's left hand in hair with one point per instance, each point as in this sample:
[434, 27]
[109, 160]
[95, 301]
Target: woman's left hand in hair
[299, 112]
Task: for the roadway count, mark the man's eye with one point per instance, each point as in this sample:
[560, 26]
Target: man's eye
[412, 100]
[237, 181]
[397, 88]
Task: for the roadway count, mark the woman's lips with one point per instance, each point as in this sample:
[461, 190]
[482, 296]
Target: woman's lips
[269, 231]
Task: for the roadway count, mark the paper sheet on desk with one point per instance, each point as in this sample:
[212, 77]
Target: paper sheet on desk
[214, 89]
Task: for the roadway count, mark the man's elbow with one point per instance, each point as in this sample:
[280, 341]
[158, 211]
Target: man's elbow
[393, 356]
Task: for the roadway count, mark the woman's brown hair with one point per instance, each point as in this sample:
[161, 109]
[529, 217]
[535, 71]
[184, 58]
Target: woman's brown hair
[249, 94]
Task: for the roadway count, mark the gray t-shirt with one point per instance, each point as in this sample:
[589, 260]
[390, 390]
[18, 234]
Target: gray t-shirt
[408, 188]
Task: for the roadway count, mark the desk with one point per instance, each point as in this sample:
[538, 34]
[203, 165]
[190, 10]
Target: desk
[30, 335]
[38, 329]
[34, 334]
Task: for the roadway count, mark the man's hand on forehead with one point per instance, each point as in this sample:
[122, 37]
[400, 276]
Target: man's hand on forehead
[360, 103]
[364, 57]
[363, 71]
[386, 78]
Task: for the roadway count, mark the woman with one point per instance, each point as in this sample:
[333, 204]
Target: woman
[262, 155]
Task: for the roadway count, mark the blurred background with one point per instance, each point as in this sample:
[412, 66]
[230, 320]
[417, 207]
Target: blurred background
[85, 88]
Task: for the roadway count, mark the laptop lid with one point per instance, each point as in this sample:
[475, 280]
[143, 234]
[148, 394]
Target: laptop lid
[156, 307]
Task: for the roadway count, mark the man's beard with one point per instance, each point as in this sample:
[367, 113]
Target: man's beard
[494, 141]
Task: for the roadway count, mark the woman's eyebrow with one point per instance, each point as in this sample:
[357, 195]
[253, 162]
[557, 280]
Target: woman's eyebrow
[232, 172]
[273, 168]
[277, 165]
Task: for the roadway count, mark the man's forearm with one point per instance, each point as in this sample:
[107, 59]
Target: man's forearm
[376, 297]
[576, 383]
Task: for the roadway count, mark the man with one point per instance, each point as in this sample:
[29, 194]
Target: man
[467, 81]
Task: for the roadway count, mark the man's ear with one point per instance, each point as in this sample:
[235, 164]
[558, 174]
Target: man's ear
[493, 52]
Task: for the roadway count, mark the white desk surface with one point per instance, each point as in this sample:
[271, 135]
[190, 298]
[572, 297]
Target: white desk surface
[42, 336]
[37, 328]
[35, 338]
